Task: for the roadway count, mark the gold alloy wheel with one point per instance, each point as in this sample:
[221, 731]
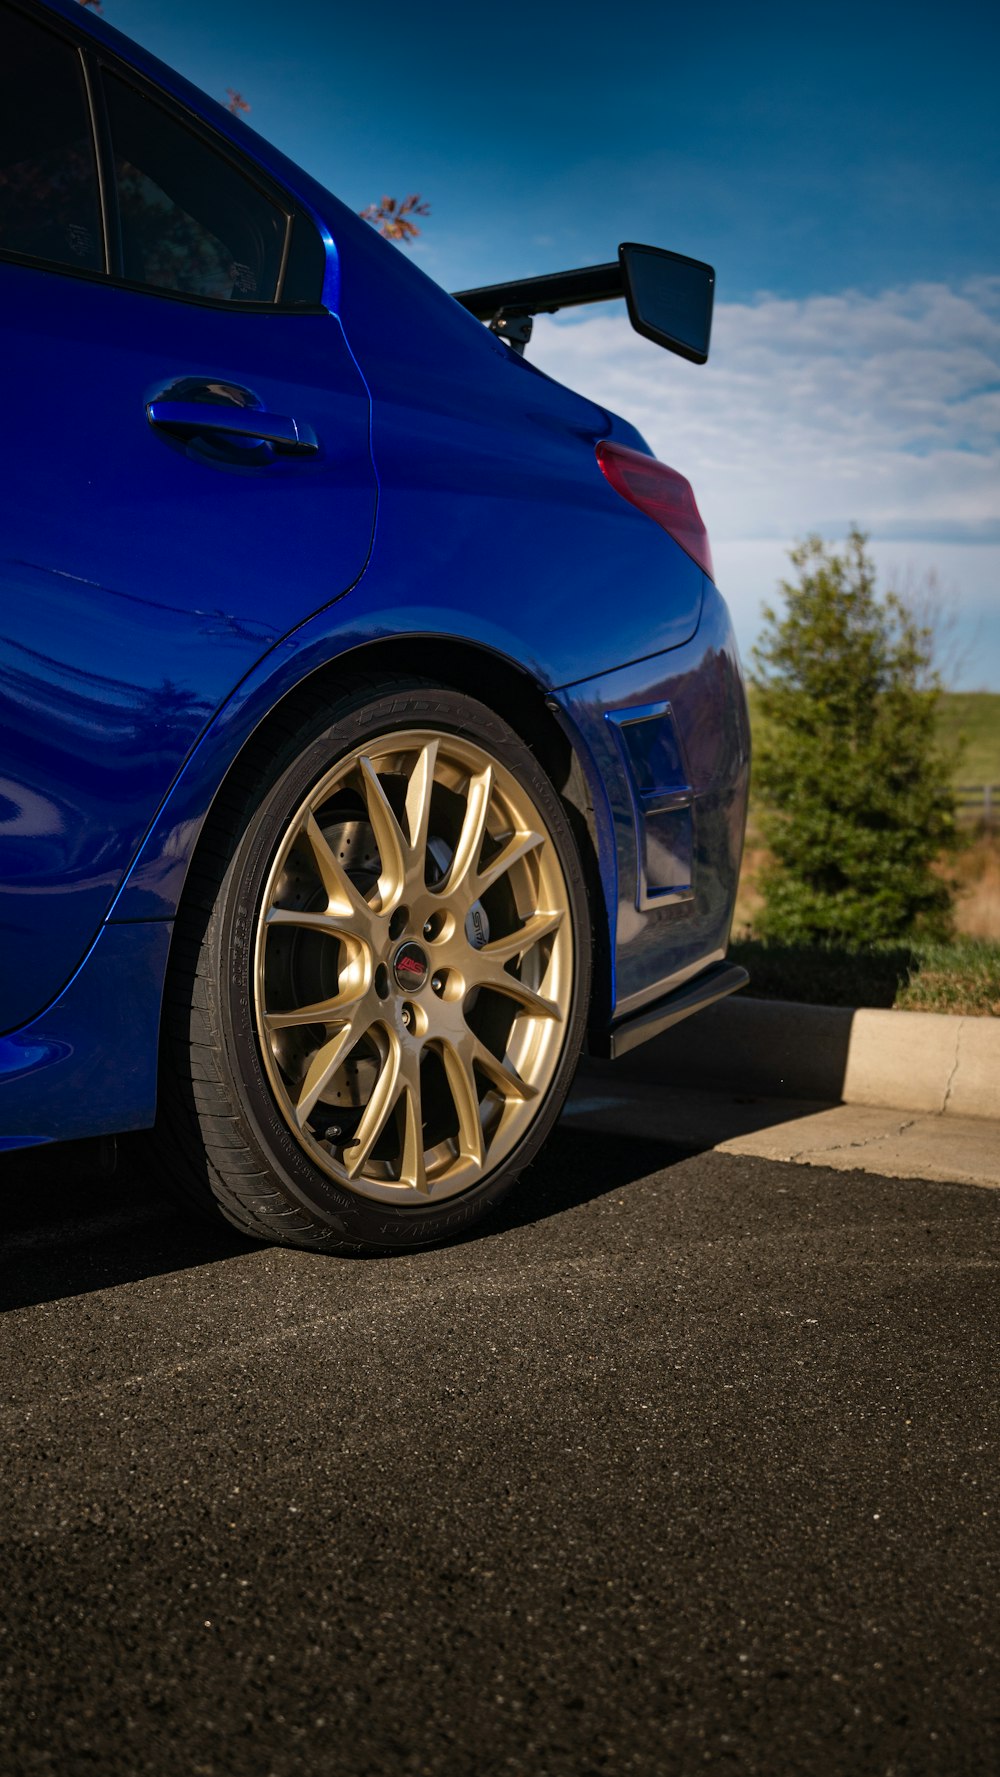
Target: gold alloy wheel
[413, 967]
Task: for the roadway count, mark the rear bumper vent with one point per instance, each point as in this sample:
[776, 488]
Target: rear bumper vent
[662, 801]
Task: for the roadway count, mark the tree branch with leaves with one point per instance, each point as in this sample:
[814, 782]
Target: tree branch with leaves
[395, 220]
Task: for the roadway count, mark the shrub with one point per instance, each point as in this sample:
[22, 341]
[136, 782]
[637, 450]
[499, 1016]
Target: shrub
[851, 781]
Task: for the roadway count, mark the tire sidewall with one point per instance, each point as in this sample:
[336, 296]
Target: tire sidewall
[345, 1217]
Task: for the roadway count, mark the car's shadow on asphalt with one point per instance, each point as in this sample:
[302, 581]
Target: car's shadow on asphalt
[574, 1167]
[69, 1228]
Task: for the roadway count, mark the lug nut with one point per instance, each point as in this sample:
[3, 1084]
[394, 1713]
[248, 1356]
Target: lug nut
[429, 929]
[405, 1016]
[436, 983]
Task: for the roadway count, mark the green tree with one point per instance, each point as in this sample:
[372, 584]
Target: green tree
[851, 783]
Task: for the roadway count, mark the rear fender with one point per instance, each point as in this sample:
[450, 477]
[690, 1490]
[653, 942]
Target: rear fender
[155, 882]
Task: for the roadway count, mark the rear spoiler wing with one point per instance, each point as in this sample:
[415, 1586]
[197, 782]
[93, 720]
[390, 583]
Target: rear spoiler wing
[669, 298]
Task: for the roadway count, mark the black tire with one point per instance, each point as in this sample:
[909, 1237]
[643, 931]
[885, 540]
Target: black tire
[221, 1138]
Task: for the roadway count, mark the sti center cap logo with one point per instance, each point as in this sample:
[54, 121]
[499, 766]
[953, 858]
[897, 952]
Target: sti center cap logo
[410, 968]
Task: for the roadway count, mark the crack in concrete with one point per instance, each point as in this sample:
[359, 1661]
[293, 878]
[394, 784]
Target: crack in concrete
[840, 1147]
[954, 1067]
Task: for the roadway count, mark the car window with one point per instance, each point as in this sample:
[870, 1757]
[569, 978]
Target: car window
[190, 221]
[49, 204]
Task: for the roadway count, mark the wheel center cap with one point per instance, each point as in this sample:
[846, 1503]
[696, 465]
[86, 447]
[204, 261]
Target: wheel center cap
[410, 968]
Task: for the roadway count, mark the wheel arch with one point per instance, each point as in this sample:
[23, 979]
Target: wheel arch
[514, 695]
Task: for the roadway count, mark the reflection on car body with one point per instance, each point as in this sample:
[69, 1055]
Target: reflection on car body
[373, 733]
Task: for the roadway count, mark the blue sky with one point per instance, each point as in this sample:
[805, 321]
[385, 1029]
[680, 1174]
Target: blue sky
[839, 164]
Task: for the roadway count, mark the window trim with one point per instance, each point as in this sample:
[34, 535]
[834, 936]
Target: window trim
[94, 59]
[43, 21]
[183, 119]
[95, 104]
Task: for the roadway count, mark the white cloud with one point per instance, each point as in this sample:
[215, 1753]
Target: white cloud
[812, 414]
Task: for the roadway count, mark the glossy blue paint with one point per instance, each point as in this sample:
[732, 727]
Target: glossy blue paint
[87, 1065]
[141, 578]
[660, 947]
[161, 597]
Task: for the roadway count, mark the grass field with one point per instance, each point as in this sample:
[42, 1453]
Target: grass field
[973, 717]
[962, 978]
[969, 719]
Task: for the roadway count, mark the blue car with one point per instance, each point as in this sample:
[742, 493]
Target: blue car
[373, 738]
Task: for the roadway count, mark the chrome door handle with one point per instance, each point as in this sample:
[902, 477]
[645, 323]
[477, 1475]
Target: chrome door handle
[185, 417]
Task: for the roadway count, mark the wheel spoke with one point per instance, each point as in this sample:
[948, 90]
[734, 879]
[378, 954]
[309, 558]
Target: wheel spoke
[518, 846]
[325, 1012]
[462, 1085]
[334, 925]
[418, 804]
[389, 837]
[324, 1064]
[490, 971]
[498, 981]
[465, 863]
[342, 896]
[376, 1112]
[412, 1168]
[512, 944]
[501, 1074]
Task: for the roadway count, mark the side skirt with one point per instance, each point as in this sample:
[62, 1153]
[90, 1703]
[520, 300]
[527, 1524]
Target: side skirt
[716, 982]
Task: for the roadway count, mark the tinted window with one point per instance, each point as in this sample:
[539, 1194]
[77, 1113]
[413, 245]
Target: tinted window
[49, 205]
[190, 221]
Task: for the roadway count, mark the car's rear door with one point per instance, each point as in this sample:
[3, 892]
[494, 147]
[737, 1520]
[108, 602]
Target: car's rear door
[154, 296]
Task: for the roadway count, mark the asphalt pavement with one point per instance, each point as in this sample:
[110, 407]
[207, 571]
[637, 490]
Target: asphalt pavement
[683, 1463]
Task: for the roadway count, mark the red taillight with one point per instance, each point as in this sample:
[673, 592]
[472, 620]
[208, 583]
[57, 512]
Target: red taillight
[662, 494]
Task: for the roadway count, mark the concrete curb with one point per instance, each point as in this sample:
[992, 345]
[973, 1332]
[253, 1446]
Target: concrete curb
[842, 1137]
[913, 1061]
